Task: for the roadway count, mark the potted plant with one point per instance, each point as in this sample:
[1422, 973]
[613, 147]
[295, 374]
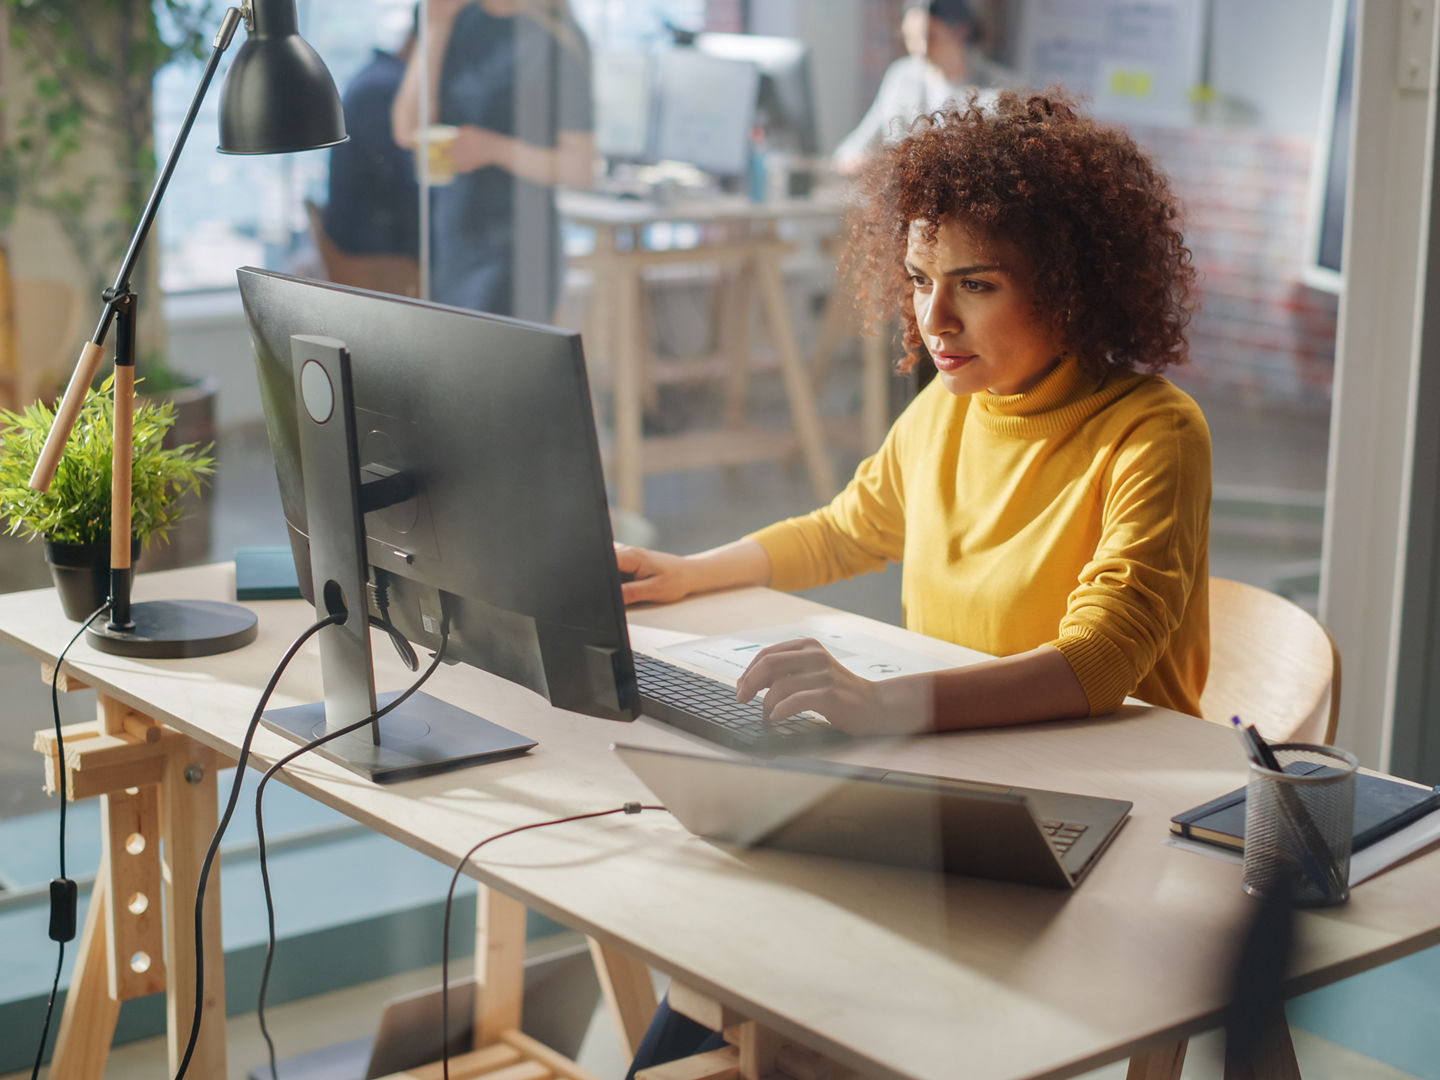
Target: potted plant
[73, 517]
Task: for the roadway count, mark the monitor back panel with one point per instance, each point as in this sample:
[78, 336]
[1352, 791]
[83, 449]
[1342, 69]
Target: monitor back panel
[494, 415]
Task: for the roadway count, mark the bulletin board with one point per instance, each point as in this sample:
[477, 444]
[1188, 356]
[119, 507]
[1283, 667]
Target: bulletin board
[1139, 60]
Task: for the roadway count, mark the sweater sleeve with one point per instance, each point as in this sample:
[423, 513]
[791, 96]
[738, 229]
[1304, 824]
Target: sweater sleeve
[861, 530]
[1153, 547]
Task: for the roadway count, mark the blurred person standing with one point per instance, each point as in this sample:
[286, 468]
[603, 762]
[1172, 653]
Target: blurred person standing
[374, 202]
[513, 77]
[943, 62]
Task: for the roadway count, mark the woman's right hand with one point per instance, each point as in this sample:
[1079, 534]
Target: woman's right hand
[652, 577]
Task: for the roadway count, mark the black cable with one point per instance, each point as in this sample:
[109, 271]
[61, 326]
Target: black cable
[260, 827]
[628, 808]
[315, 628]
[62, 889]
[49, 1010]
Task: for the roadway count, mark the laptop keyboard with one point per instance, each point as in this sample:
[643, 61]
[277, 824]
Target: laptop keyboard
[707, 707]
[1063, 834]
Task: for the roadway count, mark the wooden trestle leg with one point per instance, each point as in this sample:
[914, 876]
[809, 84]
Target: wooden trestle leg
[159, 809]
[157, 794]
[502, 1051]
[754, 1051]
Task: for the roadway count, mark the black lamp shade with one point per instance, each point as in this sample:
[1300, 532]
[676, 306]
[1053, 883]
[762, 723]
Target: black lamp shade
[279, 96]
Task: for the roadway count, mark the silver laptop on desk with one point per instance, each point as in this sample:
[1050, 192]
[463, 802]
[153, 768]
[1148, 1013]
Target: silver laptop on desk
[1025, 835]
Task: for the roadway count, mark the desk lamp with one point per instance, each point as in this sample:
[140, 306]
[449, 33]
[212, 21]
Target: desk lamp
[278, 97]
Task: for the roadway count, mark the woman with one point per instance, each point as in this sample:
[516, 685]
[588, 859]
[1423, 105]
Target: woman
[514, 77]
[1049, 501]
[1048, 494]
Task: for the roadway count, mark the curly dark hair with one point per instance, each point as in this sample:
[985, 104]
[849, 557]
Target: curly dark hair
[1093, 216]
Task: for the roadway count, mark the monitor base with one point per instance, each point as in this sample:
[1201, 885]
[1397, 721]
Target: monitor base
[423, 736]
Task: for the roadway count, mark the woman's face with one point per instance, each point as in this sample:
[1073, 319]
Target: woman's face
[976, 312]
[945, 49]
[914, 31]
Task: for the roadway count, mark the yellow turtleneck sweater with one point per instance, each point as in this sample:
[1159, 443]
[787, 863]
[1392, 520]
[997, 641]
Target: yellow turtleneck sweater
[1075, 514]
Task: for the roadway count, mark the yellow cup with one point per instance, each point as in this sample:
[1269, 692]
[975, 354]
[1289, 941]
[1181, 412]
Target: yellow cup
[433, 163]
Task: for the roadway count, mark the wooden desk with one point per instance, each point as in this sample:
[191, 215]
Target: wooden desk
[739, 238]
[893, 974]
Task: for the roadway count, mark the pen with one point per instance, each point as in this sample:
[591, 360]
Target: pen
[1316, 857]
[1267, 756]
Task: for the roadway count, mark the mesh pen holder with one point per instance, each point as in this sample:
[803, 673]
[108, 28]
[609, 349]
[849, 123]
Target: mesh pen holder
[1298, 827]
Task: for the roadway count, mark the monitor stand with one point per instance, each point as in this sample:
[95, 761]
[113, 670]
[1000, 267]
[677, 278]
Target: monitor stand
[424, 735]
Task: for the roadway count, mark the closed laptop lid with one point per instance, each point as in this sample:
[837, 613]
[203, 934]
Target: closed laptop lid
[826, 808]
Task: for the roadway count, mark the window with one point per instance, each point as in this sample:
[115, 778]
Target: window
[222, 211]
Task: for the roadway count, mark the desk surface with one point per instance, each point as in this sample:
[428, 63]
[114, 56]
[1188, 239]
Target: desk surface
[894, 973]
[596, 208]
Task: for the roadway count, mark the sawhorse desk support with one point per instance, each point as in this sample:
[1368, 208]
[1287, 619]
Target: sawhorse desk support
[159, 809]
[739, 241]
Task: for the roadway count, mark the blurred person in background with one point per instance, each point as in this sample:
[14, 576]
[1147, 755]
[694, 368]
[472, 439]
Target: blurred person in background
[374, 202]
[513, 76]
[942, 64]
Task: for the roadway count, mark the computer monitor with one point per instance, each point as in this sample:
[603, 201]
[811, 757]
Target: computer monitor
[624, 100]
[786, 103]
[704, 110]
[459, 490]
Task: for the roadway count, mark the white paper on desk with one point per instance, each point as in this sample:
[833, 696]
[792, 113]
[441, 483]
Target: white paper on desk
[1363, 864]
[869, 657]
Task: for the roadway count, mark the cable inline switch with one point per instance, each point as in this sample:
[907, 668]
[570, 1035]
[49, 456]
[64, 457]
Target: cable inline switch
[63, 894]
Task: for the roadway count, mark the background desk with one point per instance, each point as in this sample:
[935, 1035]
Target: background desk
[740, 242]
[891, 973]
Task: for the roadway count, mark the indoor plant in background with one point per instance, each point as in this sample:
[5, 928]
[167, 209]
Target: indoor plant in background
[79, 155]
[73, 517]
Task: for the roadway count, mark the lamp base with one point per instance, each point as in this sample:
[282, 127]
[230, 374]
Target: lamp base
[167, 629]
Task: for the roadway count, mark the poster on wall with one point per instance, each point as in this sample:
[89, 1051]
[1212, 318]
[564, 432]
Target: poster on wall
[1138, 60]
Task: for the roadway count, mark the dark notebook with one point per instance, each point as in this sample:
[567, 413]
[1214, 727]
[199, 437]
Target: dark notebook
[1381, 807]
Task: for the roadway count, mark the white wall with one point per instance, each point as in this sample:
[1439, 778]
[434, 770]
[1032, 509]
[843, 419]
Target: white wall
[208, 337]
[1270, 54]
[1387, 242]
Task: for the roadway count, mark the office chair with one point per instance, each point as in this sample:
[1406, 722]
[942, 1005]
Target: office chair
[1274, 665]
[398, 275]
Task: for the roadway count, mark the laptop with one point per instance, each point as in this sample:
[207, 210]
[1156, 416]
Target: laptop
[1025, 835]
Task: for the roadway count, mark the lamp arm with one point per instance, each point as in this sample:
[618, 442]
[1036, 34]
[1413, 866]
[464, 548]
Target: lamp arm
[91, 354]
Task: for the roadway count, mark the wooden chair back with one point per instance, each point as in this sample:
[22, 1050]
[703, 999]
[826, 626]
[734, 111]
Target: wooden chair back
[1272, 663]
[395, 274]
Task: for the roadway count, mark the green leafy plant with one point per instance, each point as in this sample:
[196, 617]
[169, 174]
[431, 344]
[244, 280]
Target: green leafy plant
[76, 509]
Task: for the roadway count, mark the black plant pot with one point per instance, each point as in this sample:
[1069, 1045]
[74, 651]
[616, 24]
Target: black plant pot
[81, 573]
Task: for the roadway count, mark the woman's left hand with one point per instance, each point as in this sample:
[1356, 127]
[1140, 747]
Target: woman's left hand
[801, 675]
